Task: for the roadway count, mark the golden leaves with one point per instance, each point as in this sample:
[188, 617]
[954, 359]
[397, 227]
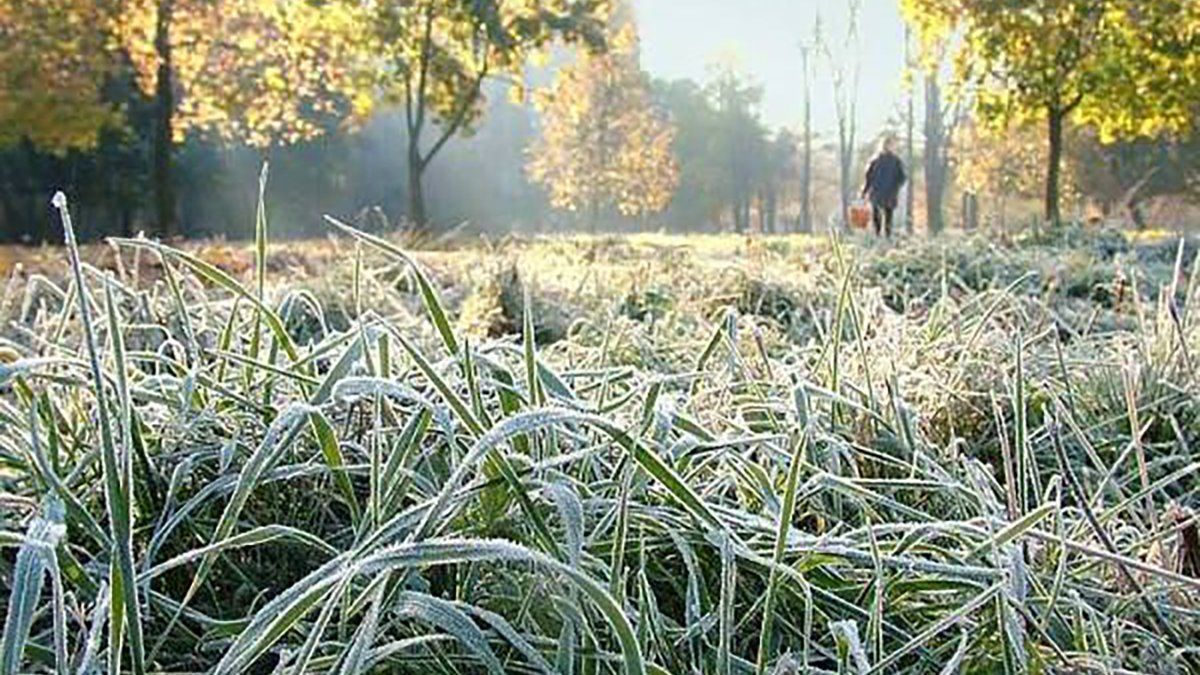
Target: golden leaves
[603, 145]
[52, 68]
[258, 71]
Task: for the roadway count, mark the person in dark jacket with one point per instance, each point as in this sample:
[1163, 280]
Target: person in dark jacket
[885, 177]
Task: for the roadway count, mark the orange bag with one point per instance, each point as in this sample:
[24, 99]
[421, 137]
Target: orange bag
[860, 215]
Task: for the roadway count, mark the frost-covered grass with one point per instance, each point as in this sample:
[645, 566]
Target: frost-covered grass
[645, 455]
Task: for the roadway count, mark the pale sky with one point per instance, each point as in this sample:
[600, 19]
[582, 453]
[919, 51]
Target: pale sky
[680, 38]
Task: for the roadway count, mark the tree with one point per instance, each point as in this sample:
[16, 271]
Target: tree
[942, 119]
[909, 128]
[845, 71]
[699, 196]
[1128, 174]
[779, 169]
[806, 52]
[739, 140]
[1113, 63]
[433, 56]
[262, 72]
[53, 67]
[1001, 164]
[604, 147]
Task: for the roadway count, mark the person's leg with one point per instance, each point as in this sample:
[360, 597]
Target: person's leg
[876, 217]
[887, 220]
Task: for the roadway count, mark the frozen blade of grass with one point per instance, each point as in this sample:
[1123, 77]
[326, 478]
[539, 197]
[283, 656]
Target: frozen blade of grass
[785, 522]
[528, 422]
[61, 663]
[216, 275]
[445, 616]
[75, 508]
[954, 665]
[1014, 530]
[91, 645]
[28, 578]
[364, 637]
[532, 382]
[849, 646]
[433, 303]
[509, 474]
[570, 509]
[282, 433]
[280, 615]
[375, 386]
[331, 451]
[185, 319]
[263, 534]
[1097, 529]
[460, 408]
[510, 634]
[435, 552]
[937, 628]
[300, 665]
[620, 537]
[124, 602]
[726, 620]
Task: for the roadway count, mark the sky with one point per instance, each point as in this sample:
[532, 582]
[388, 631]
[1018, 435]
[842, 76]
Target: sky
[681, 38]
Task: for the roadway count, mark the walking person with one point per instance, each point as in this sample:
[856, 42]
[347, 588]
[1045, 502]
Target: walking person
[885, 177]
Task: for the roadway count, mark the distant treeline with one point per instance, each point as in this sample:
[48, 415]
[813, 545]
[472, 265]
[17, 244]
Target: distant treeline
[156, 116]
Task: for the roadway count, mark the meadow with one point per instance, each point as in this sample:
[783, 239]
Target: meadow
[642, 454]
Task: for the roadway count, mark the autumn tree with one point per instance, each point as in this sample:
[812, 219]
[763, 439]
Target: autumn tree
[1118, 64]
[53, 68]
[738, 140]
[433, 56]
[249, 70]
[604, 148]
[1127, 175]
[1001, 165]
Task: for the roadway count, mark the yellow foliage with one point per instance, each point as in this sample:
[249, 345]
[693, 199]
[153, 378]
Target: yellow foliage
[53, 64]
[603, 145]
[263, 72]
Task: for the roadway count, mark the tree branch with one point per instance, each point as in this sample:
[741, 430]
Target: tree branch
[459, 117]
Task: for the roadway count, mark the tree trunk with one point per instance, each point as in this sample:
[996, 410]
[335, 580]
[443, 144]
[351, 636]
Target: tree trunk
[417, 216]
[594, 216]
[844, 159]
[909, 193]
[970, 211]
[806, 224]
[772, 208]
[164, 112]
[1137, 213]
[935, 157]
[1054, 166]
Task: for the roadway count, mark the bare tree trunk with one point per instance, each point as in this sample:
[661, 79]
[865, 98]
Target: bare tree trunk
[845, 165]
[936, 168]
[1136, 213]
[909, 193]
[806, 224]
[1054, 165]
[772, 209]
[164, 111]
[416, 188]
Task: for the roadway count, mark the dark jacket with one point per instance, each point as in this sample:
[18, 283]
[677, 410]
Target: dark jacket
[885, 177]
